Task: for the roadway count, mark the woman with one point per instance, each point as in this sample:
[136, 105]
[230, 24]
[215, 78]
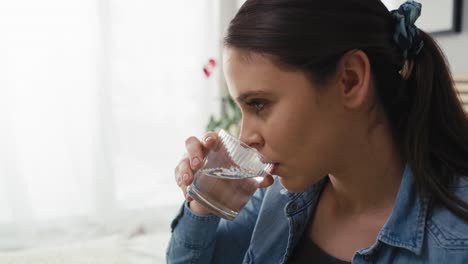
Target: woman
[357, 108]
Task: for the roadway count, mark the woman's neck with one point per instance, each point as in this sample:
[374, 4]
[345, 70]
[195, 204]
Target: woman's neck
[371, 177]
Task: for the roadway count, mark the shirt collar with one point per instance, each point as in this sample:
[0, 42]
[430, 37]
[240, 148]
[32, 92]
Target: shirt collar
[406, 225]
[299, 201]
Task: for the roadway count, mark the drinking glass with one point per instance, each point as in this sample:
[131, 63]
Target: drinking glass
[230, 174]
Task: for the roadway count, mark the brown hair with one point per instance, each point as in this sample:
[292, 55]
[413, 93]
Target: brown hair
[425, 113]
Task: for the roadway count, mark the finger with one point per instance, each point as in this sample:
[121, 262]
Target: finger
[184, 177]
[177, 169]
[178, 179]
[188, 197]
[184, 187]
[195, 152]
[210, 140]
[185, 174]
[267, 181]
[186, 194]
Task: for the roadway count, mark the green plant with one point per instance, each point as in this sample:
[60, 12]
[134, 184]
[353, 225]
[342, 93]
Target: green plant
[230, 117]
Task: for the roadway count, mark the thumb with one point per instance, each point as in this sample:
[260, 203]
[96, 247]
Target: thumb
[267, 181]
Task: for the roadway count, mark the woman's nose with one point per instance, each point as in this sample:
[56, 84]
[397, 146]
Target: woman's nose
[252, 139]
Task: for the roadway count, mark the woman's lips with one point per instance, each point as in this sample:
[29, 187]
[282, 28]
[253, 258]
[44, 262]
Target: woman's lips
[274, 169]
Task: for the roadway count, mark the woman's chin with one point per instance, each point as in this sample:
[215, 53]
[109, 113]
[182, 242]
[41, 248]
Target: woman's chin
[291, 185]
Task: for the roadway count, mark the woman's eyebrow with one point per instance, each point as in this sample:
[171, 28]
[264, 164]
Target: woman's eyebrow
[243, 97]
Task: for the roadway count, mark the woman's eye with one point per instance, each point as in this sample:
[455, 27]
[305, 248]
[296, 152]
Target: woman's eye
[257, 104]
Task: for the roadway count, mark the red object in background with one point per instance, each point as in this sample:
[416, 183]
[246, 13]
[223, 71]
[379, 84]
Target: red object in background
[209, 67]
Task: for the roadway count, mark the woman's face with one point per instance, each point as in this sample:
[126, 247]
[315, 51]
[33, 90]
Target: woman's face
[290, 120]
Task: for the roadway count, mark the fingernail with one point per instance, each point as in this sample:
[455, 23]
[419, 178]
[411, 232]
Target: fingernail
[185, 177]
[195, 162]
[208, 139]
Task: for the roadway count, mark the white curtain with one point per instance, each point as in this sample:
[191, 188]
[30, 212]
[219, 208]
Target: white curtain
[96, 99]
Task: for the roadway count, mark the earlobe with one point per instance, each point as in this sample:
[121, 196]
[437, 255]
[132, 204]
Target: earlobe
[354, 78]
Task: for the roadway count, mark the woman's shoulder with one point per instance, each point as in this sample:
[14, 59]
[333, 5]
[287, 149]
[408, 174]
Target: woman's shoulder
[447, 229]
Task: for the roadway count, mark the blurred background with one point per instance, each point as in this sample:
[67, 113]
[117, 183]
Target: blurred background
[96, 100]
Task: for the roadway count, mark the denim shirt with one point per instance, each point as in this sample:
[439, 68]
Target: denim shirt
[268, 228]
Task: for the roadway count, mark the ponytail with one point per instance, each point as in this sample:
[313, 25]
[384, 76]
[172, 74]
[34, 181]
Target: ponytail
[435, 140]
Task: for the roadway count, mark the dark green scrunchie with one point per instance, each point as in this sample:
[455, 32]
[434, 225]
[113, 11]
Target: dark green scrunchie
[407, 35]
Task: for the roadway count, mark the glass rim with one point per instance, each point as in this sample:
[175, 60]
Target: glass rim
[262, 157]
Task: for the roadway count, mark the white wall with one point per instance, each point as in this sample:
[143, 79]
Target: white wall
[455, 45]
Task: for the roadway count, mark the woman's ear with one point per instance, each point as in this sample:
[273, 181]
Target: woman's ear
[354, 79]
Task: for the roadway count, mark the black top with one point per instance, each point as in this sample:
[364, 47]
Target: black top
[307, 251]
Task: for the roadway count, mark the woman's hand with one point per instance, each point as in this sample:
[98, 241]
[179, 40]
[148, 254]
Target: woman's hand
[193, 161]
